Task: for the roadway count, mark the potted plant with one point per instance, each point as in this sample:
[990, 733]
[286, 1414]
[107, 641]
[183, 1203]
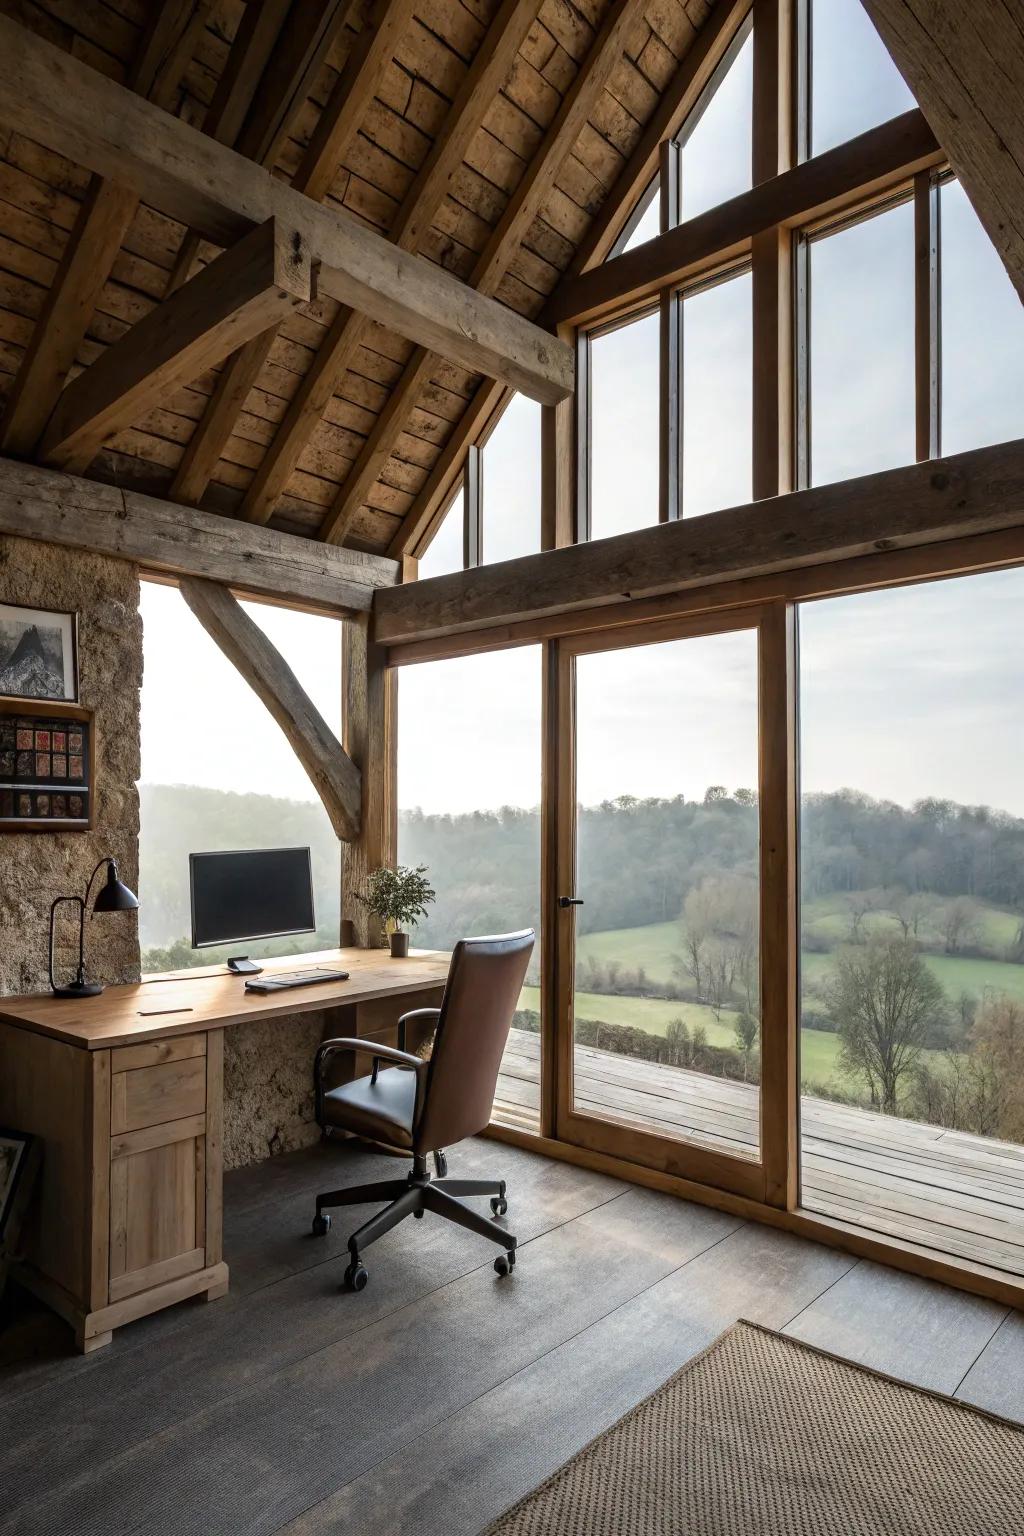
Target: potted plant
[398, 897]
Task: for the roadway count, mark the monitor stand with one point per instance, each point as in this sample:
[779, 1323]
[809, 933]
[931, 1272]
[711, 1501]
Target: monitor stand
[241, 965]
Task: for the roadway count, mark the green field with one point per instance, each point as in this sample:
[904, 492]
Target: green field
[655, 947]
[818, 1048]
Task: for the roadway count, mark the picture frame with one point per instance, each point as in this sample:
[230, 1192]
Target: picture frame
[19, 1164]
[38, 654]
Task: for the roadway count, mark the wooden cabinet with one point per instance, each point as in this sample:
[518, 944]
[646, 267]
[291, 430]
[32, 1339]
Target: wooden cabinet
[135, 1132]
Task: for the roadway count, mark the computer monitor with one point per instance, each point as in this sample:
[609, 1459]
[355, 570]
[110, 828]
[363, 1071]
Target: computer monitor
[259, 893]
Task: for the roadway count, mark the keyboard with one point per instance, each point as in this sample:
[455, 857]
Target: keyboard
[286, 980]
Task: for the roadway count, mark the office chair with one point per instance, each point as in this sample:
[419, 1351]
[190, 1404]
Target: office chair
[425, 1106]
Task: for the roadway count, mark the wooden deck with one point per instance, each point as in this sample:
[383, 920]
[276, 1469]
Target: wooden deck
[960, 1194]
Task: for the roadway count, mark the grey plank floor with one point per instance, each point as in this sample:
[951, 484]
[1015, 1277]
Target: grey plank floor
[440, 1394]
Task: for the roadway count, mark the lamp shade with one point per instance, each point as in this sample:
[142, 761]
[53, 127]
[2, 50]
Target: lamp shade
[115, 895]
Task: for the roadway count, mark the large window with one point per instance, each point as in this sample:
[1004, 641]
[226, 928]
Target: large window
[982, 398]
[469, 808]
[912, 915]
[854, 83]
[715, 145]
[717, 377]
[510, 484]
[624, 388]
[861, 347]
[217, 772]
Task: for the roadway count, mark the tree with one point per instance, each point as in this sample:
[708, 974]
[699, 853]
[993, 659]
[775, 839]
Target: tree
[997, 1040]
[884, 1001]
[909, 909]
[719, 940]
[746, 1039]
[959, 924]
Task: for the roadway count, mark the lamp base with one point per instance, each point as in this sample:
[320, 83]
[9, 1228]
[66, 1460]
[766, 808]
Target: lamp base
[79, 989]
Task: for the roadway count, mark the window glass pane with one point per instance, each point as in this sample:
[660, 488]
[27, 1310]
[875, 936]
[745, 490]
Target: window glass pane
[854, 83]
[511, 484]
[667, 989]
[649, 223]
[982, 399]
[716, 158]
[717, 397]
[445, 550]
[912, 922]
[469, 808]
[862, 347]
[217, 772]
[624, 385]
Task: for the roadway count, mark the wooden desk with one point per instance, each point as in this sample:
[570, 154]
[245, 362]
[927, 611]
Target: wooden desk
[125, 1091]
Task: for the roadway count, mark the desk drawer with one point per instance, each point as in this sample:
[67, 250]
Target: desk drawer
[148, 1096]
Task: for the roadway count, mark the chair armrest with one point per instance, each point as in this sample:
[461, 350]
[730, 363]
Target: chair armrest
[368, 1047]
[415, 1016]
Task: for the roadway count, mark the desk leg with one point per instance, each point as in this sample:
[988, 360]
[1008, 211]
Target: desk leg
[87, 1343]
[215, 1292]
[214, 1147]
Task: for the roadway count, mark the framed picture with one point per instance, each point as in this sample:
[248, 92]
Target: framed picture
[38, 653]
[47, 761]
[19, 1159]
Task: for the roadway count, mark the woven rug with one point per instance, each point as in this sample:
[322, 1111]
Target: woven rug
[763, 1436]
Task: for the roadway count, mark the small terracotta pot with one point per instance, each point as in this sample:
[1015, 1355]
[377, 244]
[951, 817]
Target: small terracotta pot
[399, 946]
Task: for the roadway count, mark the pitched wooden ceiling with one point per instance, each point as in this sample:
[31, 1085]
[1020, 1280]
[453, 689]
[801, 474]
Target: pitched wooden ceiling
[486, 135]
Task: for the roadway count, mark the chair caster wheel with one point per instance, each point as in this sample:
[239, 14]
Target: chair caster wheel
[499, 1205]
[440, 1165]
[418, 1215]
[321, 1224]
[356, 1276]
[505, 1263]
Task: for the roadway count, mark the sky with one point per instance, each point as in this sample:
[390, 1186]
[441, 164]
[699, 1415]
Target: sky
[671, 719]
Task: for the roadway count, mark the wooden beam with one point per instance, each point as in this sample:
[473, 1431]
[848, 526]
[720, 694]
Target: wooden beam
[302, 48]
[260, 279]
[369, 715]
[160, 536]
[55, 99]
[103, 218]
[970, 493]
[522, 208]
[696, 70]
[419, 208]
[250, 53]
[285, 86]
[965, 66]
[331, 771]
[873, 163]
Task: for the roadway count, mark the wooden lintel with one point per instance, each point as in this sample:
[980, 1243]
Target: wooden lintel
[165, 538]
[331, 771]
[266, 275]
[874, 162]
[952, 498]
[55, 99]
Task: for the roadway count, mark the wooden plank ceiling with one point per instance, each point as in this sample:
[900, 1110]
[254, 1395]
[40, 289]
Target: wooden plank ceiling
[485, 135]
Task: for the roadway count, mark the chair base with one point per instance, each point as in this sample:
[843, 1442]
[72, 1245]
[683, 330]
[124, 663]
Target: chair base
[411, 1197]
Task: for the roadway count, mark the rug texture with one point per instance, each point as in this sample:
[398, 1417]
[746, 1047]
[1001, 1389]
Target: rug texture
[764, 1436]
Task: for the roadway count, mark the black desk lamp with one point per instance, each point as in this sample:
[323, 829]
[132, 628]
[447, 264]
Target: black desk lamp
[114, 897]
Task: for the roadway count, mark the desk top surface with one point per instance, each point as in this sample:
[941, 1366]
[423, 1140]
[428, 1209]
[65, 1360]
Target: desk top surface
[182, 1002]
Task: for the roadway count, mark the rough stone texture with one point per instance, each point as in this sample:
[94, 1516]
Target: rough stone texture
[268, 1087]
[37, 866]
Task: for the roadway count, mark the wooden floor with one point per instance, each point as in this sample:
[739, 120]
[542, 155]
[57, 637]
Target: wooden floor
[960, 1194]
[432, 1400]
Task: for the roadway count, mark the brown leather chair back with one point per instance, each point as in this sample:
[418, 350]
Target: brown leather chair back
[480, 996]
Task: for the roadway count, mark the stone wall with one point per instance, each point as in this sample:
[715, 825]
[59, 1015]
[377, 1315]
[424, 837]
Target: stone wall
[37, 866]
[268, 1087]
[268, 1090]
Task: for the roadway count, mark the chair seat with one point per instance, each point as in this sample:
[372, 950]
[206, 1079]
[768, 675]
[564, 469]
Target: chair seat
[380, 1111]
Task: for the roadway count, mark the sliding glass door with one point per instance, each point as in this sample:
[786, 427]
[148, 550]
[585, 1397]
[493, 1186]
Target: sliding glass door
[660, 890]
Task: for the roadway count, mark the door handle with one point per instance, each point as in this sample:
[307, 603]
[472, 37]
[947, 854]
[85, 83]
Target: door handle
[570, 901]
